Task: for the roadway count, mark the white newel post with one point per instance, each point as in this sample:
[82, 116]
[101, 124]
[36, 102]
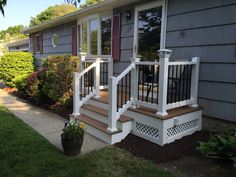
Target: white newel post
[112, 88]
[134, 83]
[82, 60]
[81, 68]
[97, 78]
[110, 68]
[194, 81]
[164, 56]
[76, 94]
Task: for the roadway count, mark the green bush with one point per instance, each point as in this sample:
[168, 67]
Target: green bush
[57, 78]
[20, 83]
[15, 64]
[32, 86]
[221, 146]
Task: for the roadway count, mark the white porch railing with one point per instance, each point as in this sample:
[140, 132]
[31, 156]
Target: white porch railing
[88, 82]
[166, 85]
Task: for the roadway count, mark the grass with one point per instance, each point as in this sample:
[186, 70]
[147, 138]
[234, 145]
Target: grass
[24, 153]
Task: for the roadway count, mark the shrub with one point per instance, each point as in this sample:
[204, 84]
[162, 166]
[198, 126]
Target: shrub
[32, 87]
[20, 83]
[15, 64]
[222, 146]
[56, 81]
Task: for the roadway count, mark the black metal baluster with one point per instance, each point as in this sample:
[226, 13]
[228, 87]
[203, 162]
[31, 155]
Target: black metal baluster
[122, 91]
[118, 96]
[157, 79]
[129, 85]
[172, 84]
[143, 84]
[190, 80]
[139, 74]
[107, 66]
[104, 73]
[180, 73]
[126, 88]
[176, 79]
[186, 82]
[84, 84]
[168, 85]
[153, 75]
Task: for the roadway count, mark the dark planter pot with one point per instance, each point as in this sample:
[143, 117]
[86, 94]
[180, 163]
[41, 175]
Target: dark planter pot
[71, 147]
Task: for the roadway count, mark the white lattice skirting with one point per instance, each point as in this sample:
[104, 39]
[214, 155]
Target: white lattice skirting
[147, 130]
[169, 130]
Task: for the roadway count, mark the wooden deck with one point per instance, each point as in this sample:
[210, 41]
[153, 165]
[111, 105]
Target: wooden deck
[151, 112]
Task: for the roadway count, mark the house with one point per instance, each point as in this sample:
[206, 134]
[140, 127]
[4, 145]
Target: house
[21, 45]
[154, 95]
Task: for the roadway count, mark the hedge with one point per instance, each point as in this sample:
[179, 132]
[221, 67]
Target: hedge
[15, 64]
[56, 80]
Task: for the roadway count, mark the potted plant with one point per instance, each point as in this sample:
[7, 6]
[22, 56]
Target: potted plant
[72, 138]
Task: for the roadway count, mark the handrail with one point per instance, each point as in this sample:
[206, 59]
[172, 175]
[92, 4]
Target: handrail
[126, 71]
[81, 92]
[89, 68]
[147, 63]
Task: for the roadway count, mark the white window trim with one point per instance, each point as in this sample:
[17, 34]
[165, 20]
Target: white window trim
[88, 19]
[162, 3]
[53, 44]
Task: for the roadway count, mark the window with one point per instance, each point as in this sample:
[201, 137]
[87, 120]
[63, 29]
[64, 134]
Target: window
[84, 37]
[37, 43]
[54, 40]
[93, 31]
[95, 36]
[106, 36]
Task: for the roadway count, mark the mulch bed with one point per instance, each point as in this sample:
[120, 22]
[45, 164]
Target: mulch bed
[167, 153]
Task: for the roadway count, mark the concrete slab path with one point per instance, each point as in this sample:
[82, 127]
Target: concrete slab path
[47, 124]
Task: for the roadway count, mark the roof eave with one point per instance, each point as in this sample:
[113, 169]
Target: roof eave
[73, 16]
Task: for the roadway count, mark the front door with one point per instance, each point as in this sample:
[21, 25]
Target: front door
[148, 30]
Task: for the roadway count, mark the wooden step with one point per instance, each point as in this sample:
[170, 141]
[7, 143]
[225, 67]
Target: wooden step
[104, 112]
[96, 124]
[171, 113]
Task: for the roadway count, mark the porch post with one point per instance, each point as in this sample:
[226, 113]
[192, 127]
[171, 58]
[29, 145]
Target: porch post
[76, 94]
[134, 83]
[112, 88]
[82, 60]
[97, 78]
[194, 81]
[81, 68]
[110, 68]
[164, 56]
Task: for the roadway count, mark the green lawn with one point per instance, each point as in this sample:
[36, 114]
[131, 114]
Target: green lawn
[24, 153]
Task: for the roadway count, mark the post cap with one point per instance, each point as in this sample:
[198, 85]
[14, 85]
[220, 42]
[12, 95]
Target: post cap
[133, 60]
[164, 53]
[82, 56]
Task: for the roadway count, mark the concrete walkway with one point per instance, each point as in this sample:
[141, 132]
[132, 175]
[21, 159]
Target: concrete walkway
[47, 124]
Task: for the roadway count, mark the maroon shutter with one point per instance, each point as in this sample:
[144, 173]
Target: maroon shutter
[41, 42]
[74, 40]
[116, 38]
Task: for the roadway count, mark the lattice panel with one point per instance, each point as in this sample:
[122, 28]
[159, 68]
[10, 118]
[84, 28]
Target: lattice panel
[147, 130]
[183, 128]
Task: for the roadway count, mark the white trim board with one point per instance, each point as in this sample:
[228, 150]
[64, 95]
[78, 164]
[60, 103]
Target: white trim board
[142, 7]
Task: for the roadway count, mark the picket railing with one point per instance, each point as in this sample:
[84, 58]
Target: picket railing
[159, 85]
[88, 82]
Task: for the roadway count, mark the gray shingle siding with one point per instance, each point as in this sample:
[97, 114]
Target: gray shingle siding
[206, 29]
[64, 33]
